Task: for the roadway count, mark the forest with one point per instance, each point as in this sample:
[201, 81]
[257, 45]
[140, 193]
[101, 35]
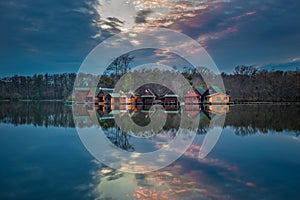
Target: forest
[37, 87]
[245, 84]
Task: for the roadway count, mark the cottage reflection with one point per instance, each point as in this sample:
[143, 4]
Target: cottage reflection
[218, 109]
[246, 120]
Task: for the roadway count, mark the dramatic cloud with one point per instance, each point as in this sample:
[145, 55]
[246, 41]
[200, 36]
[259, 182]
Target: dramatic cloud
[44, 36]
[234, 32]
[55, 36]
[158, 13]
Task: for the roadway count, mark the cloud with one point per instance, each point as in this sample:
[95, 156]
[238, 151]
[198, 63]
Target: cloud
[158, 13]
[233, 32]
[141, 16]
[203, 20]
[84, 10]
[204, 38]
[226, 27]
[36, 33]
[290, 65]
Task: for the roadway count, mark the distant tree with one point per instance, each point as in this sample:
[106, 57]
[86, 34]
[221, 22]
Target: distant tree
[119, 66]
[245, 70]
[126, 59]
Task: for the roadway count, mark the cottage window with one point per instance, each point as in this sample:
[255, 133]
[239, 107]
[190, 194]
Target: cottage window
[225, 98]
[218, 98]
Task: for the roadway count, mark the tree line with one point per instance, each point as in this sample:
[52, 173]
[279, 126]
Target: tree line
[250, 84]
[37, 87]
[247, 83]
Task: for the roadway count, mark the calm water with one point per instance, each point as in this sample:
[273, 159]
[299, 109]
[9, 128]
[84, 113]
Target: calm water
[256, 157]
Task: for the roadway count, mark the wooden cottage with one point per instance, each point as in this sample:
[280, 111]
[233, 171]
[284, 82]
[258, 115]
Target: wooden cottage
[192, 97]
[139, 106]
[103, 95]
[139, 102]
[201, 91]
[80, 94]
[123, 108]
[147, 98]
[85, 95]
[133, 97]
[114, 98]
[170, 98]
[123, 98]
[107, 99]
[128, 98]
[92, 96]
[172, 109]
[214, 95]
[147, 107]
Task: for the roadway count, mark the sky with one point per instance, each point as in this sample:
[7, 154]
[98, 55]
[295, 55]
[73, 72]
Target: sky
[55, 36]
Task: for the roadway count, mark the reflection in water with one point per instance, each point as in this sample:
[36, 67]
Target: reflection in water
[36, 113]
[234, 170]
[178, 181]
[119, 138]
[246, 119]
[253, 119]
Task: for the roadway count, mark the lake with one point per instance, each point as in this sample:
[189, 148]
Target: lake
[256, 156]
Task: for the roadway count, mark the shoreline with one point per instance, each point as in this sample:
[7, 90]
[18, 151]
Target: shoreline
[230, 103]
[33, 100]
[266, 103]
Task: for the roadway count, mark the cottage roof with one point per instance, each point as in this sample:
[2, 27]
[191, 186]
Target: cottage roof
[123, 95]
[82, 88]
[134, 93]
[200, 89]
[171, 111]
[104, 87]
[114, 112]
[217, 89]
[115, 95]
[170, 93]
[104, 92]
[214, 94]
[93, 92]
[147, 111]
[148, 93]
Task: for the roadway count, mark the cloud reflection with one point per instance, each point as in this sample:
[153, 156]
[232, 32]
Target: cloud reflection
[178, 181]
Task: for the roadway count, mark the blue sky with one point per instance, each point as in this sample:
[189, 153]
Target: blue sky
[54, 36]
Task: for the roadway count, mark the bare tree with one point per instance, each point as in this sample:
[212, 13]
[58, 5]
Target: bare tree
[120, 65]
[245, 70]
[126, 59]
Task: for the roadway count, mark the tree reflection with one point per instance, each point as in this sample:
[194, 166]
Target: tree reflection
[119, 138]
[36, 113]
[253, 119]
[244, 119]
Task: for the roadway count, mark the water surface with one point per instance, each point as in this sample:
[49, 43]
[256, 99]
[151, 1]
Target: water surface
[256, 157]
